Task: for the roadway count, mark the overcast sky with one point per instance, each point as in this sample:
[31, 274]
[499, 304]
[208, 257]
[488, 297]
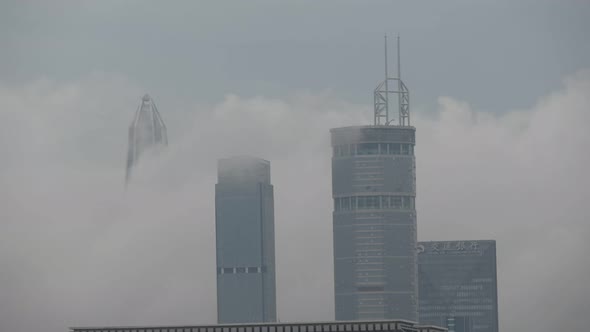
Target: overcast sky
[500, 99]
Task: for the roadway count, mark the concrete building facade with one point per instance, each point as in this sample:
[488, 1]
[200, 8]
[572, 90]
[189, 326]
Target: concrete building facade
[458, 285]
[244, 228]
[374, 222]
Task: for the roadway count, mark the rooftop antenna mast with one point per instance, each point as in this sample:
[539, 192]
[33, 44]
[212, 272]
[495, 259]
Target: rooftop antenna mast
[386, 83]
[381, 95]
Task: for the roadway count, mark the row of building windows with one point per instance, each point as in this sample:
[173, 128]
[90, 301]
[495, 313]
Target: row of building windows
[372, 221]
[456, 313]
[461, 287]
[373, 148]
[240, 270]
[370, 253]
[456, 301]
[370, 289]
[456, 307]
[392, 202]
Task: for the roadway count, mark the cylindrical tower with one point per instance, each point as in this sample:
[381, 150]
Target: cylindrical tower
[374, 220]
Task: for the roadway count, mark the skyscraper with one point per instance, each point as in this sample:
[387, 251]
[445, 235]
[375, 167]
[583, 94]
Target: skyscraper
[457, 285]
[244, 228]
[146, 132]
[374, 218]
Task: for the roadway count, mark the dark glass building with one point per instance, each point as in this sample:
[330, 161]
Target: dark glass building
[244, 229]
[458, 285]
[374, 222]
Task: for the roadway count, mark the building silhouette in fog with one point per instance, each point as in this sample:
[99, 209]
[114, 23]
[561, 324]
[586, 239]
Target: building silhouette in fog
[146, 132]
[374, 218]
[244, 228]
[458, 285]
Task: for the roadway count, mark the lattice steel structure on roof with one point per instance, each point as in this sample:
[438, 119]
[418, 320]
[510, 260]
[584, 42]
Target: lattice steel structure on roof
[384, 89]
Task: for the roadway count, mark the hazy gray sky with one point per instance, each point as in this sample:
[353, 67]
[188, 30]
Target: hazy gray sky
[494, 54]
[500, 96]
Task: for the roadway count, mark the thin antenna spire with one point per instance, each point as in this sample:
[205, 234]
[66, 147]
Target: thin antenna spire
[399, 67]
[399, 82]
[386, 83]
[385, 58]
[382, 91]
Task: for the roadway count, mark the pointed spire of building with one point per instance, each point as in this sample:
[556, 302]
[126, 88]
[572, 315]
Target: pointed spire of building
[147, 131]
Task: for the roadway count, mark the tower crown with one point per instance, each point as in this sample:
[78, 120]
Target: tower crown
[147, 131]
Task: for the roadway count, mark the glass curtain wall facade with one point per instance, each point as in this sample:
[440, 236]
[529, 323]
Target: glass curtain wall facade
[244, 228]
[458, 285]
[374, 222]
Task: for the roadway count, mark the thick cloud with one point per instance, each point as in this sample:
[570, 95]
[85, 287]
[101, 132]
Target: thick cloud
[77, 249]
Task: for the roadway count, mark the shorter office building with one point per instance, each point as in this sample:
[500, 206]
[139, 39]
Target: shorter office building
[245, 243]
[342, 326]
[457, 285]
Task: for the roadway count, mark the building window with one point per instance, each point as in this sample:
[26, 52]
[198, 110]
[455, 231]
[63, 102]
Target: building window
[373, 203]
[370, 289]
[362, 202]
[368, 149]
[384, 202]
[373, 149]
[394, 148]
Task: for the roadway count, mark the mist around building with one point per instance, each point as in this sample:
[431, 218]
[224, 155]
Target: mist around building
[383, 276]
[149, 150]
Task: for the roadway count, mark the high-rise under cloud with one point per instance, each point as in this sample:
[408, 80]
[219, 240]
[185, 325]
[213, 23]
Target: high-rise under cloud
[146, 132]
[374, 219]
[245, 244]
